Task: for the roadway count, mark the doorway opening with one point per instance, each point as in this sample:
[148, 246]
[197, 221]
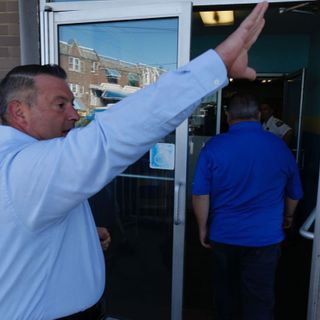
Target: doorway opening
[270, 86]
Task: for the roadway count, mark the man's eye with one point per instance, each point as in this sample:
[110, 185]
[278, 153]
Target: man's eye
[61, 105]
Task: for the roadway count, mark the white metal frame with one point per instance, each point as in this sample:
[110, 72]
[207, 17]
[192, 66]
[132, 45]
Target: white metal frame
[69, 13]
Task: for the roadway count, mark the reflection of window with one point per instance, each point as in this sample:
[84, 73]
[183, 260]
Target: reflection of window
[94, 66]
[75, 64]
[133, 79]
[204, 119]
[113, 75]
[76, 89]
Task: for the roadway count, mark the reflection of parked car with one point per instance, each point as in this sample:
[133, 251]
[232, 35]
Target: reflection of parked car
[85, 113]
[84, 120]
[109, 93]
[88, 115]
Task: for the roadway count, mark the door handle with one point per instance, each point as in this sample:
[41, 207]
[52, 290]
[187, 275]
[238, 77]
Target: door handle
[176, 214]
[304, 229]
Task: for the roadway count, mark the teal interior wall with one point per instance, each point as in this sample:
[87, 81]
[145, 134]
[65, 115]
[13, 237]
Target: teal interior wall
[313, 78]
[271, 53]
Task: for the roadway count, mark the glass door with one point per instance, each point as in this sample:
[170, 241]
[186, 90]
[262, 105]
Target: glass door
[110, 51]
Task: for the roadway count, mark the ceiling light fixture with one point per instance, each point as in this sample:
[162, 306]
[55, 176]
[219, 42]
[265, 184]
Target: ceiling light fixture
[213, 18]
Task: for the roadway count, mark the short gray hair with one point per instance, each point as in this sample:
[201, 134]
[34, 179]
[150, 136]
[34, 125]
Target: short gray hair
[19, 84]
[243, 106]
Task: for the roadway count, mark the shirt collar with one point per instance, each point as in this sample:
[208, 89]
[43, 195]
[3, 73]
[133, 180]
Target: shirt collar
[270, 120]
[9, 134]
[251, 125]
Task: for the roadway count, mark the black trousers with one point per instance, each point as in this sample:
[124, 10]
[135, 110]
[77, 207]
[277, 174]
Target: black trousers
[96, 312]
[244, 281]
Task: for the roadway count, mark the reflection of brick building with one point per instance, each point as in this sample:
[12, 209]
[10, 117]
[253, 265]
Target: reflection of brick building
[98, 80]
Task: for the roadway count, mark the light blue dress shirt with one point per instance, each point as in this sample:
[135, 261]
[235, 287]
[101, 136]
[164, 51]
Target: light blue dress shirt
[51, 262]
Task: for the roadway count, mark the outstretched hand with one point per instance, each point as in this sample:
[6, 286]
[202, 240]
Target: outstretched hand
[234, 50]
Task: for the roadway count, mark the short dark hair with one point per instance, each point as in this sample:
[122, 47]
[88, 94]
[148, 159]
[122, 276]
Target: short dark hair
[243, 106]
[19, 83]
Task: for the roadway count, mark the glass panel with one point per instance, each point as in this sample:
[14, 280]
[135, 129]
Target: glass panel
[202, 126]
[197, 288]
[105, 63]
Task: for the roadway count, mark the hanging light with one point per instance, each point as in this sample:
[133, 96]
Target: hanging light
[211, 18]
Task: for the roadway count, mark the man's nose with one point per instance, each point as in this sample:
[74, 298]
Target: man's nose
[73, 114]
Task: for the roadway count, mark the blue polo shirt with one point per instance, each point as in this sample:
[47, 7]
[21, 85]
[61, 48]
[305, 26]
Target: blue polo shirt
[247, 172]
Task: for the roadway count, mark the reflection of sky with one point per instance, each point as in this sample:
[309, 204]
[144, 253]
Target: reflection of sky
[151, 42]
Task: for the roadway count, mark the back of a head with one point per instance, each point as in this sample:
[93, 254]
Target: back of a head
[243, 107]
[19, 83]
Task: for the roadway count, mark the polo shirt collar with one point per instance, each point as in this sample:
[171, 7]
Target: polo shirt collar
[251, 125]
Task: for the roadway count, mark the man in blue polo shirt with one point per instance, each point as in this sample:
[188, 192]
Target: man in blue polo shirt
[245, 191]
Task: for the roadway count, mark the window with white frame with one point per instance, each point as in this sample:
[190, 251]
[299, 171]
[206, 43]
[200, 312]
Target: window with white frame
[76, 89]
[76, 65]
[94, 66]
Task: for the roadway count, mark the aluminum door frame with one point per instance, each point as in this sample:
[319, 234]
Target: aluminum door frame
[301, 75]
[313, 311]
[55, 14]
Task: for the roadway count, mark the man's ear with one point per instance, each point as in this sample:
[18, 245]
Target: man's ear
[16, 114]
[259, 116]
[228, 117]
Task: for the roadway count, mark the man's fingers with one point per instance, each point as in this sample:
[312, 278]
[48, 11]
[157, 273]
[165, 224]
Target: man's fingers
[248, 32]
[252, 37]
[103, 233]
[256, 15]
[249, 74]
[263, 6]
[234, 50]
[105, 239]
[251, 26]
[205, 245]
